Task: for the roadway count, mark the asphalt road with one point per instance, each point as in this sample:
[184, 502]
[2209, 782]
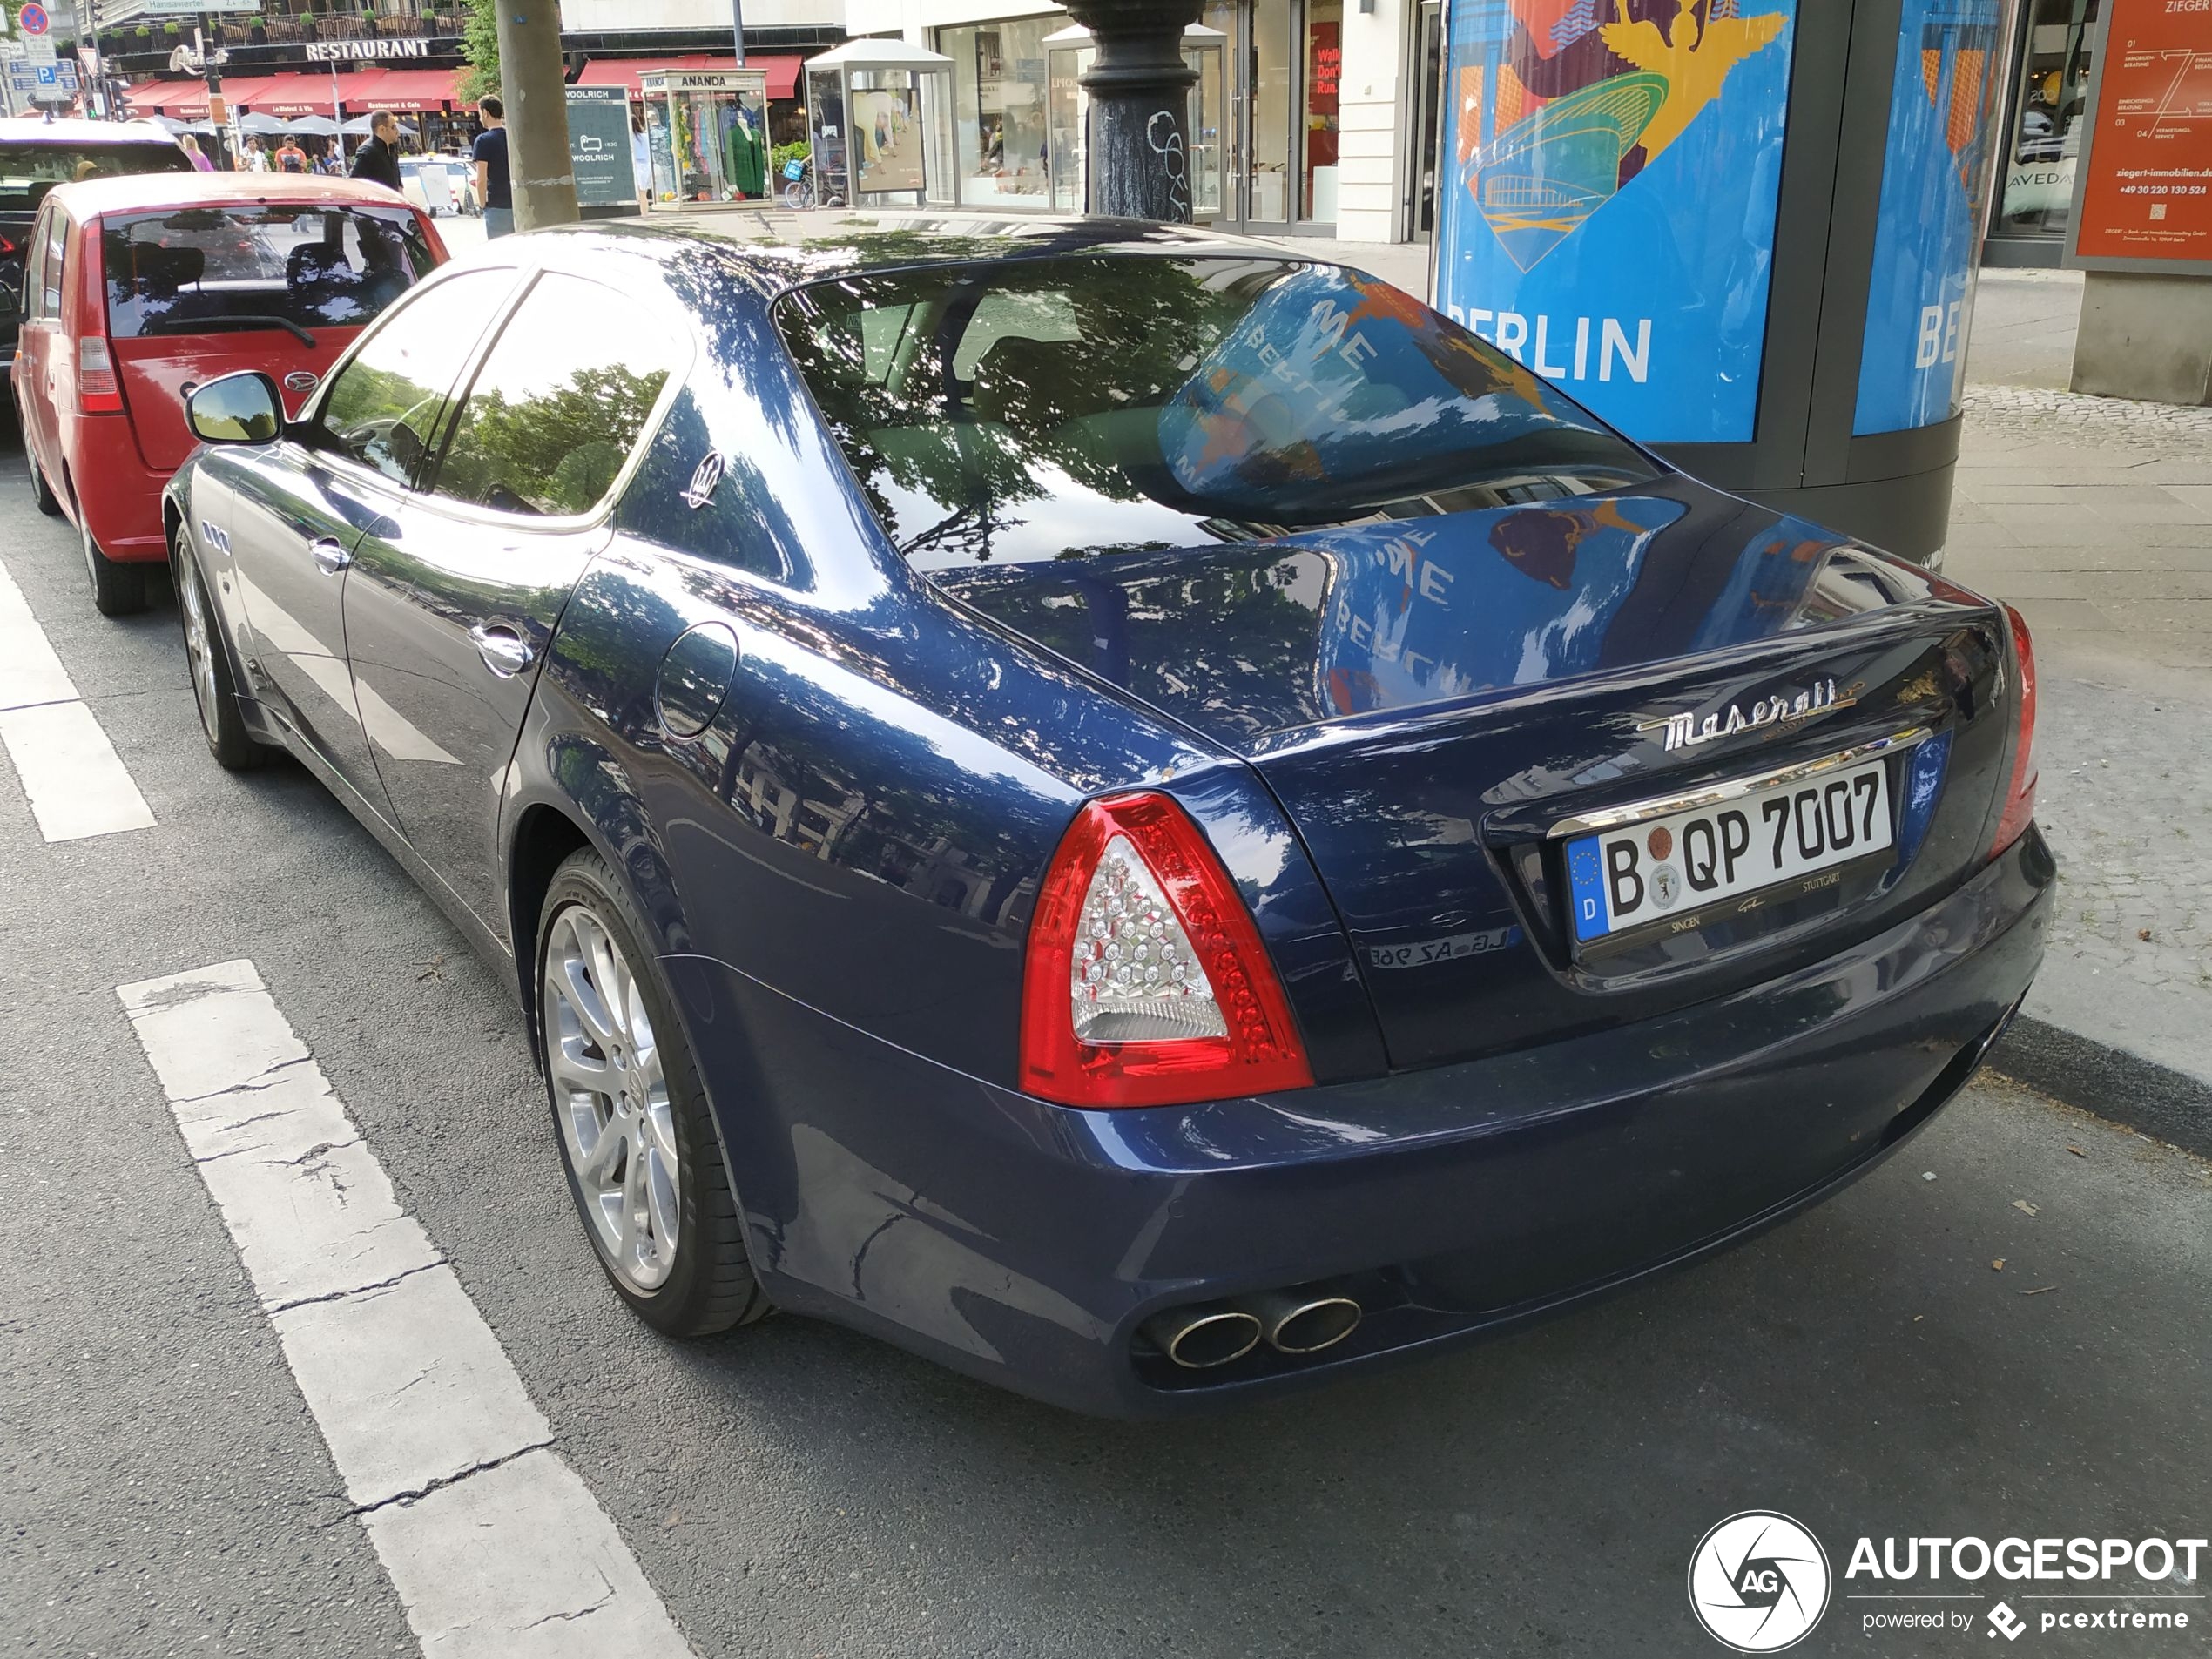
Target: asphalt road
[792, 1489]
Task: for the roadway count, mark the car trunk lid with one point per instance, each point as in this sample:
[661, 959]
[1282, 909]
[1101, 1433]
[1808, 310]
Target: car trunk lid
[158, 373]
[1438, 704]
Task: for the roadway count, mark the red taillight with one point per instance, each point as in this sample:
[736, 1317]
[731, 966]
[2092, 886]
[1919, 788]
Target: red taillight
[1146, 983]
[2019, 796]
[98, 390]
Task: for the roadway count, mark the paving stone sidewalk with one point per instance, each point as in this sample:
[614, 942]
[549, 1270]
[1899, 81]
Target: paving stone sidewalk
[2094, 516]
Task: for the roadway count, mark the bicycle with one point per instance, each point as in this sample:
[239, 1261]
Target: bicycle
[798, 193]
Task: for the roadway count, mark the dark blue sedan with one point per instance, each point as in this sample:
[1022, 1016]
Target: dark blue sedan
[1136, 812]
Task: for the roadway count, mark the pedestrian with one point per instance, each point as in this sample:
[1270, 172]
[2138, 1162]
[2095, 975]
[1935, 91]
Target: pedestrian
[199, 160]
[493, 187]
[291, 158]
[257, 156]
[641, 161]
[379, 159]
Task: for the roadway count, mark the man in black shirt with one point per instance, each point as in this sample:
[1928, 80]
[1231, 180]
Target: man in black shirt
[494, 188]
[379, 160]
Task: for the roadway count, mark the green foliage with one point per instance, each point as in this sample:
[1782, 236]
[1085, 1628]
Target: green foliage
[783, 152]
[480, 46]
[557, 451]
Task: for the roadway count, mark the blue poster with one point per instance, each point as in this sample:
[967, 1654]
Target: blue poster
[1942, 132]
[1608, 213]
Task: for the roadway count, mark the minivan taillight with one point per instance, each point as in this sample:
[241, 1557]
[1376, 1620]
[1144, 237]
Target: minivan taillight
[2019, 794]
[1146, 983]
[98, 390]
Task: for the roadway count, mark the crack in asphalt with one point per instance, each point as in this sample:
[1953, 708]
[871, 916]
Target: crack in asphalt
[265, 1078]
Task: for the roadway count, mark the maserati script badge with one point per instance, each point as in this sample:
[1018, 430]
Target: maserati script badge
[1686, 730]
[704, 481]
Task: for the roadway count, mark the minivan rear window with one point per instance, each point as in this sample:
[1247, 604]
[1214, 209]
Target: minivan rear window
[197, 270]
[1036, 409]
[29, 171]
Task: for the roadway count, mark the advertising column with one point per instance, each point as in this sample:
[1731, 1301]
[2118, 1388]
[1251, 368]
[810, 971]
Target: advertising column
[2143, 207]
[1608, 216]
[1942, 132]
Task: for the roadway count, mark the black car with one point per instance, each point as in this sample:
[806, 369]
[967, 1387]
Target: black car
[35, 156]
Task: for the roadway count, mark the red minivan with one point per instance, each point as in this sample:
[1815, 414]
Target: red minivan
[137, 290]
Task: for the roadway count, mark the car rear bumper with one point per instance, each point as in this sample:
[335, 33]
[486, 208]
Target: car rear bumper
[1025, 1243]
[124, 512]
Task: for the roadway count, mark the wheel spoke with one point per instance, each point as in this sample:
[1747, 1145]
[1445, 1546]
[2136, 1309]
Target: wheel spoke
[660, 1196]
[584, 997]
[576, 1070]
[598, 1162]
[658, 1130]
[613, 983]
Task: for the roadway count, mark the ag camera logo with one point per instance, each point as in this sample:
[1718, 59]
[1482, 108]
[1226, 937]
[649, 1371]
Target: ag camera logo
[1758, 1582]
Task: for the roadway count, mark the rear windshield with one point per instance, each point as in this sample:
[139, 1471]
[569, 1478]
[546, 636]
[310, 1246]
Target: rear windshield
[196, 270]
[29, 171]
[1030, 409]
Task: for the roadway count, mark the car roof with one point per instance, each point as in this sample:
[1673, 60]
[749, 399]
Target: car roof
[134, 192]
[777, 252]
[30, 130]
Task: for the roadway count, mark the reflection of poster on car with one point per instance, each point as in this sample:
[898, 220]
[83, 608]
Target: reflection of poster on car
[1942, 134]
[1609, 214]
[2146, 193]
[887, 143]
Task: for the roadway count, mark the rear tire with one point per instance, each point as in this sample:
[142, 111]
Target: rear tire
[636, 1136]
[41, 491]
[117, 590]
[213, 687]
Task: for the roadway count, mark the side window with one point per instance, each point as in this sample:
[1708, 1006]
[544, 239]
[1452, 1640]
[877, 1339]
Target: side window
[383, 407]
[34, 270]
[50, 265]
[560, 403]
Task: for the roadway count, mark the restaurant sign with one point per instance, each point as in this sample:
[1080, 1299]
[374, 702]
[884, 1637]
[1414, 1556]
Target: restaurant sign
[346, 51]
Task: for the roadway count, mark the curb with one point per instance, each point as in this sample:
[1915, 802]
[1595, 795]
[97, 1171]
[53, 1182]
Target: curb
[2108, 1082]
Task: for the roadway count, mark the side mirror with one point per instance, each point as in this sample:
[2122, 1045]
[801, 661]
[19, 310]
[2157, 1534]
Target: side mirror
[236, 409]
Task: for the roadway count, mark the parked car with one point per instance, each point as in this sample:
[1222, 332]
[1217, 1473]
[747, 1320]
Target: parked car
[37, 155]
[439, 185]
[1133, 811]
[142, 288]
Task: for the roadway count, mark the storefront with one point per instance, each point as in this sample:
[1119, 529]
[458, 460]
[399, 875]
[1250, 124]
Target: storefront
[2049, 86]
[708, 133]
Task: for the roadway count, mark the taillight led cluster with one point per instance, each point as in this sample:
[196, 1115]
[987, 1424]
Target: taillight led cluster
[98, 390]
[1146, 983]
[2020, 793]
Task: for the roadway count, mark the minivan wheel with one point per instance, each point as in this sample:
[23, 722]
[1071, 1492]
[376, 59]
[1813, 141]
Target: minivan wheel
[643, 1154]
[41, 491]
[117, 590]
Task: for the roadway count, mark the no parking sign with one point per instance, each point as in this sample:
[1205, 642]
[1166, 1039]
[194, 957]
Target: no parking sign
[34, 19]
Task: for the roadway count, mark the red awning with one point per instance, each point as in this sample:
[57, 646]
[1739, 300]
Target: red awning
[783, 72]
[403, 89]
[184, 100]
[284, 94]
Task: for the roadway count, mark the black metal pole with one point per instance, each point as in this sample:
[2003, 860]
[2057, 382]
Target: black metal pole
[220, 138]
[737, 26]
[1139, 154]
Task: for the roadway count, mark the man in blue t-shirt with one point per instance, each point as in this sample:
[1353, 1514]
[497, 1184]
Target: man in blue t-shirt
[493, 188]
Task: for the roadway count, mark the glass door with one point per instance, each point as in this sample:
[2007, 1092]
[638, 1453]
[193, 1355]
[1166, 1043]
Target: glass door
[1426, 126]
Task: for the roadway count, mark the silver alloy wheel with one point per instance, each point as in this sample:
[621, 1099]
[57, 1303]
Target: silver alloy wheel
[199, 646]
[611, 1096]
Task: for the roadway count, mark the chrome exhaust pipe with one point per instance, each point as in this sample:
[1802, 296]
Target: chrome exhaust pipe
[1209, 1334]
[1304, 1321]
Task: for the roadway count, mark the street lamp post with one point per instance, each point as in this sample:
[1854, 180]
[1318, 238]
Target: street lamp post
[1140, 91]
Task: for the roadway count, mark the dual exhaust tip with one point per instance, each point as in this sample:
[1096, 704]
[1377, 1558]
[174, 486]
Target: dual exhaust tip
[1214, 1333]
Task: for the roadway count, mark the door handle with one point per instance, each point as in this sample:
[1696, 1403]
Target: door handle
[505, 652]
[330, 556]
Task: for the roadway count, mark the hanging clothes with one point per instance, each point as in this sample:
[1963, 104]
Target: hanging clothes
[746, 154]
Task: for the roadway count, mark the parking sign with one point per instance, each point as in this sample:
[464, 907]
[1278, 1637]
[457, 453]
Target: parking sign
[34, 19]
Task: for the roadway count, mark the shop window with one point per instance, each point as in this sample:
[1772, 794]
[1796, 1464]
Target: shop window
[2049, 120]
[999, 110]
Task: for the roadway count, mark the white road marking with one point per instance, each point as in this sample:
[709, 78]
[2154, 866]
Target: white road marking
[497, 1549]
[29, 672]
[70, 772]
[77, 784]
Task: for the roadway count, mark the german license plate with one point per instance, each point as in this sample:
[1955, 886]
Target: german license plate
[1793, 837]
